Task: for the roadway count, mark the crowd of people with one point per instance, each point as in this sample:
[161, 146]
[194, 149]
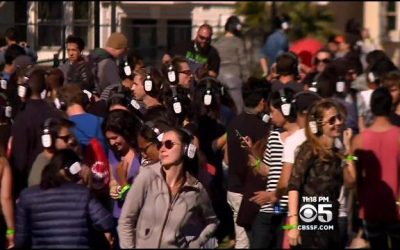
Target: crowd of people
[105, 151]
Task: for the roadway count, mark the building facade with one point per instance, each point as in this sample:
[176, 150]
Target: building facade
[152, 27]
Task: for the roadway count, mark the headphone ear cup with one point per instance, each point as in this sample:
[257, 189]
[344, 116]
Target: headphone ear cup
[148, 83]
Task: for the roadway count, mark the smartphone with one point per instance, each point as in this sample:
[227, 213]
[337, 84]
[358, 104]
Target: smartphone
[238, 134]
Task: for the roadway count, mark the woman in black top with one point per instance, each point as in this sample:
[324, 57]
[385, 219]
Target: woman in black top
[316, 179]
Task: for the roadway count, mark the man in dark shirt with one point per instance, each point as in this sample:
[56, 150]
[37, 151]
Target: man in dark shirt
[240, 178]
[199, 52]
[26, 131]
[287, 69]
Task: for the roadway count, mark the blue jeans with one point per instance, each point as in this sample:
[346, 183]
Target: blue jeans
[267, 231]
[379, 235]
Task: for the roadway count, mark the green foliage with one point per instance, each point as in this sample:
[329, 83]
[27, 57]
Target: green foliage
[307, 18]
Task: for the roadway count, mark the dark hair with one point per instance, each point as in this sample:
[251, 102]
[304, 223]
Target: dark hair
[276, 102]
[11, 34]
[160, 112]
[148, 133]
[183, 97]
[186, 137]
[381, 102]
[287, 64]
[55, 124]
[380, 68]
[77, 40]
[123, 123]
[133, 59]
[37, 81]
[233, 25]
[12, 52]
[214, 87]
[391, 79]
[254, 90]
[375, 56]
[62, 159]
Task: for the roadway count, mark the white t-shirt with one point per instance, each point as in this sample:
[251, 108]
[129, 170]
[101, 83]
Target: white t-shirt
[291, 145]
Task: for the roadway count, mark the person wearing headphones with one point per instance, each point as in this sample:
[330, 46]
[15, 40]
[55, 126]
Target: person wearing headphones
[288, 70]
[276, 44]
[181, 199]
[59, 213]
[25, 136]
[234, 66]
[56, 135]
[147, 87]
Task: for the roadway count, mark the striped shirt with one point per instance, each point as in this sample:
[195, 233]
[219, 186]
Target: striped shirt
[273, 158]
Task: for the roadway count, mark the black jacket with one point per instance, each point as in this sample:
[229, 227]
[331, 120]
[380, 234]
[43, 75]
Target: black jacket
[59, 217]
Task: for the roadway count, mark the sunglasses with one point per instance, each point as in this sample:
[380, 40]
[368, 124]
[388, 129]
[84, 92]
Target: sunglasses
[186, 72]
[65, 138]
[168, 144]
[144, 150]
[325, 60]
[331, 121]
[204, 38]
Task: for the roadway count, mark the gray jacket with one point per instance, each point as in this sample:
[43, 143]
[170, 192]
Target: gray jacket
[150, 218]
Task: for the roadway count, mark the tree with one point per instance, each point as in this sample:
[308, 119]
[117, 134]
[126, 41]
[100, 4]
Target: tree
[307, 18]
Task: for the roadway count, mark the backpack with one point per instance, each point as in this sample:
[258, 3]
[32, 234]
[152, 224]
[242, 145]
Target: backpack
[92, 62]
[97, 160]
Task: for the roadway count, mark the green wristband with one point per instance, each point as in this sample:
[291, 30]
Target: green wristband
[10, 232]
[289, 226]
[351, 158]
[258, 164]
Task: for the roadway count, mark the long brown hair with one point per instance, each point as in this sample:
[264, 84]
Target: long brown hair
[316, 114]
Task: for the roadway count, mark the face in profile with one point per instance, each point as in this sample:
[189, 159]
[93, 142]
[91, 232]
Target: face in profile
[171, 149]
[138, 88]
[148, 150]
[185, 75]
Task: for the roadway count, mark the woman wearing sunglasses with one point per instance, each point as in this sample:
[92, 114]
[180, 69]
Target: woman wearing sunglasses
[316, 179]
[167, 207]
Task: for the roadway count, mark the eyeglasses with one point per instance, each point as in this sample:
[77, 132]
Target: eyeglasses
[186, 72]
[65, 138]
[168, 144]
[325, 60]
[144, 150]
[331, 121]
[204, 38]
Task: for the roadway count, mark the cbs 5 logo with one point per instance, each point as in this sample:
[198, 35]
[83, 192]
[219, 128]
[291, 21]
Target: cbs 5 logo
[309, 212]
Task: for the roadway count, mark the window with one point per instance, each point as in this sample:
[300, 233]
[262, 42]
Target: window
[178, 31]
[81, 20]
[391, 16]
[144, 32]
[20, 19]
[50, 16]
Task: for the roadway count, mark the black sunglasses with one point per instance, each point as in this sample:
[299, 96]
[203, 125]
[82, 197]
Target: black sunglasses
[168, 144]
[65, 138]
[331, 121]
[325, 60]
